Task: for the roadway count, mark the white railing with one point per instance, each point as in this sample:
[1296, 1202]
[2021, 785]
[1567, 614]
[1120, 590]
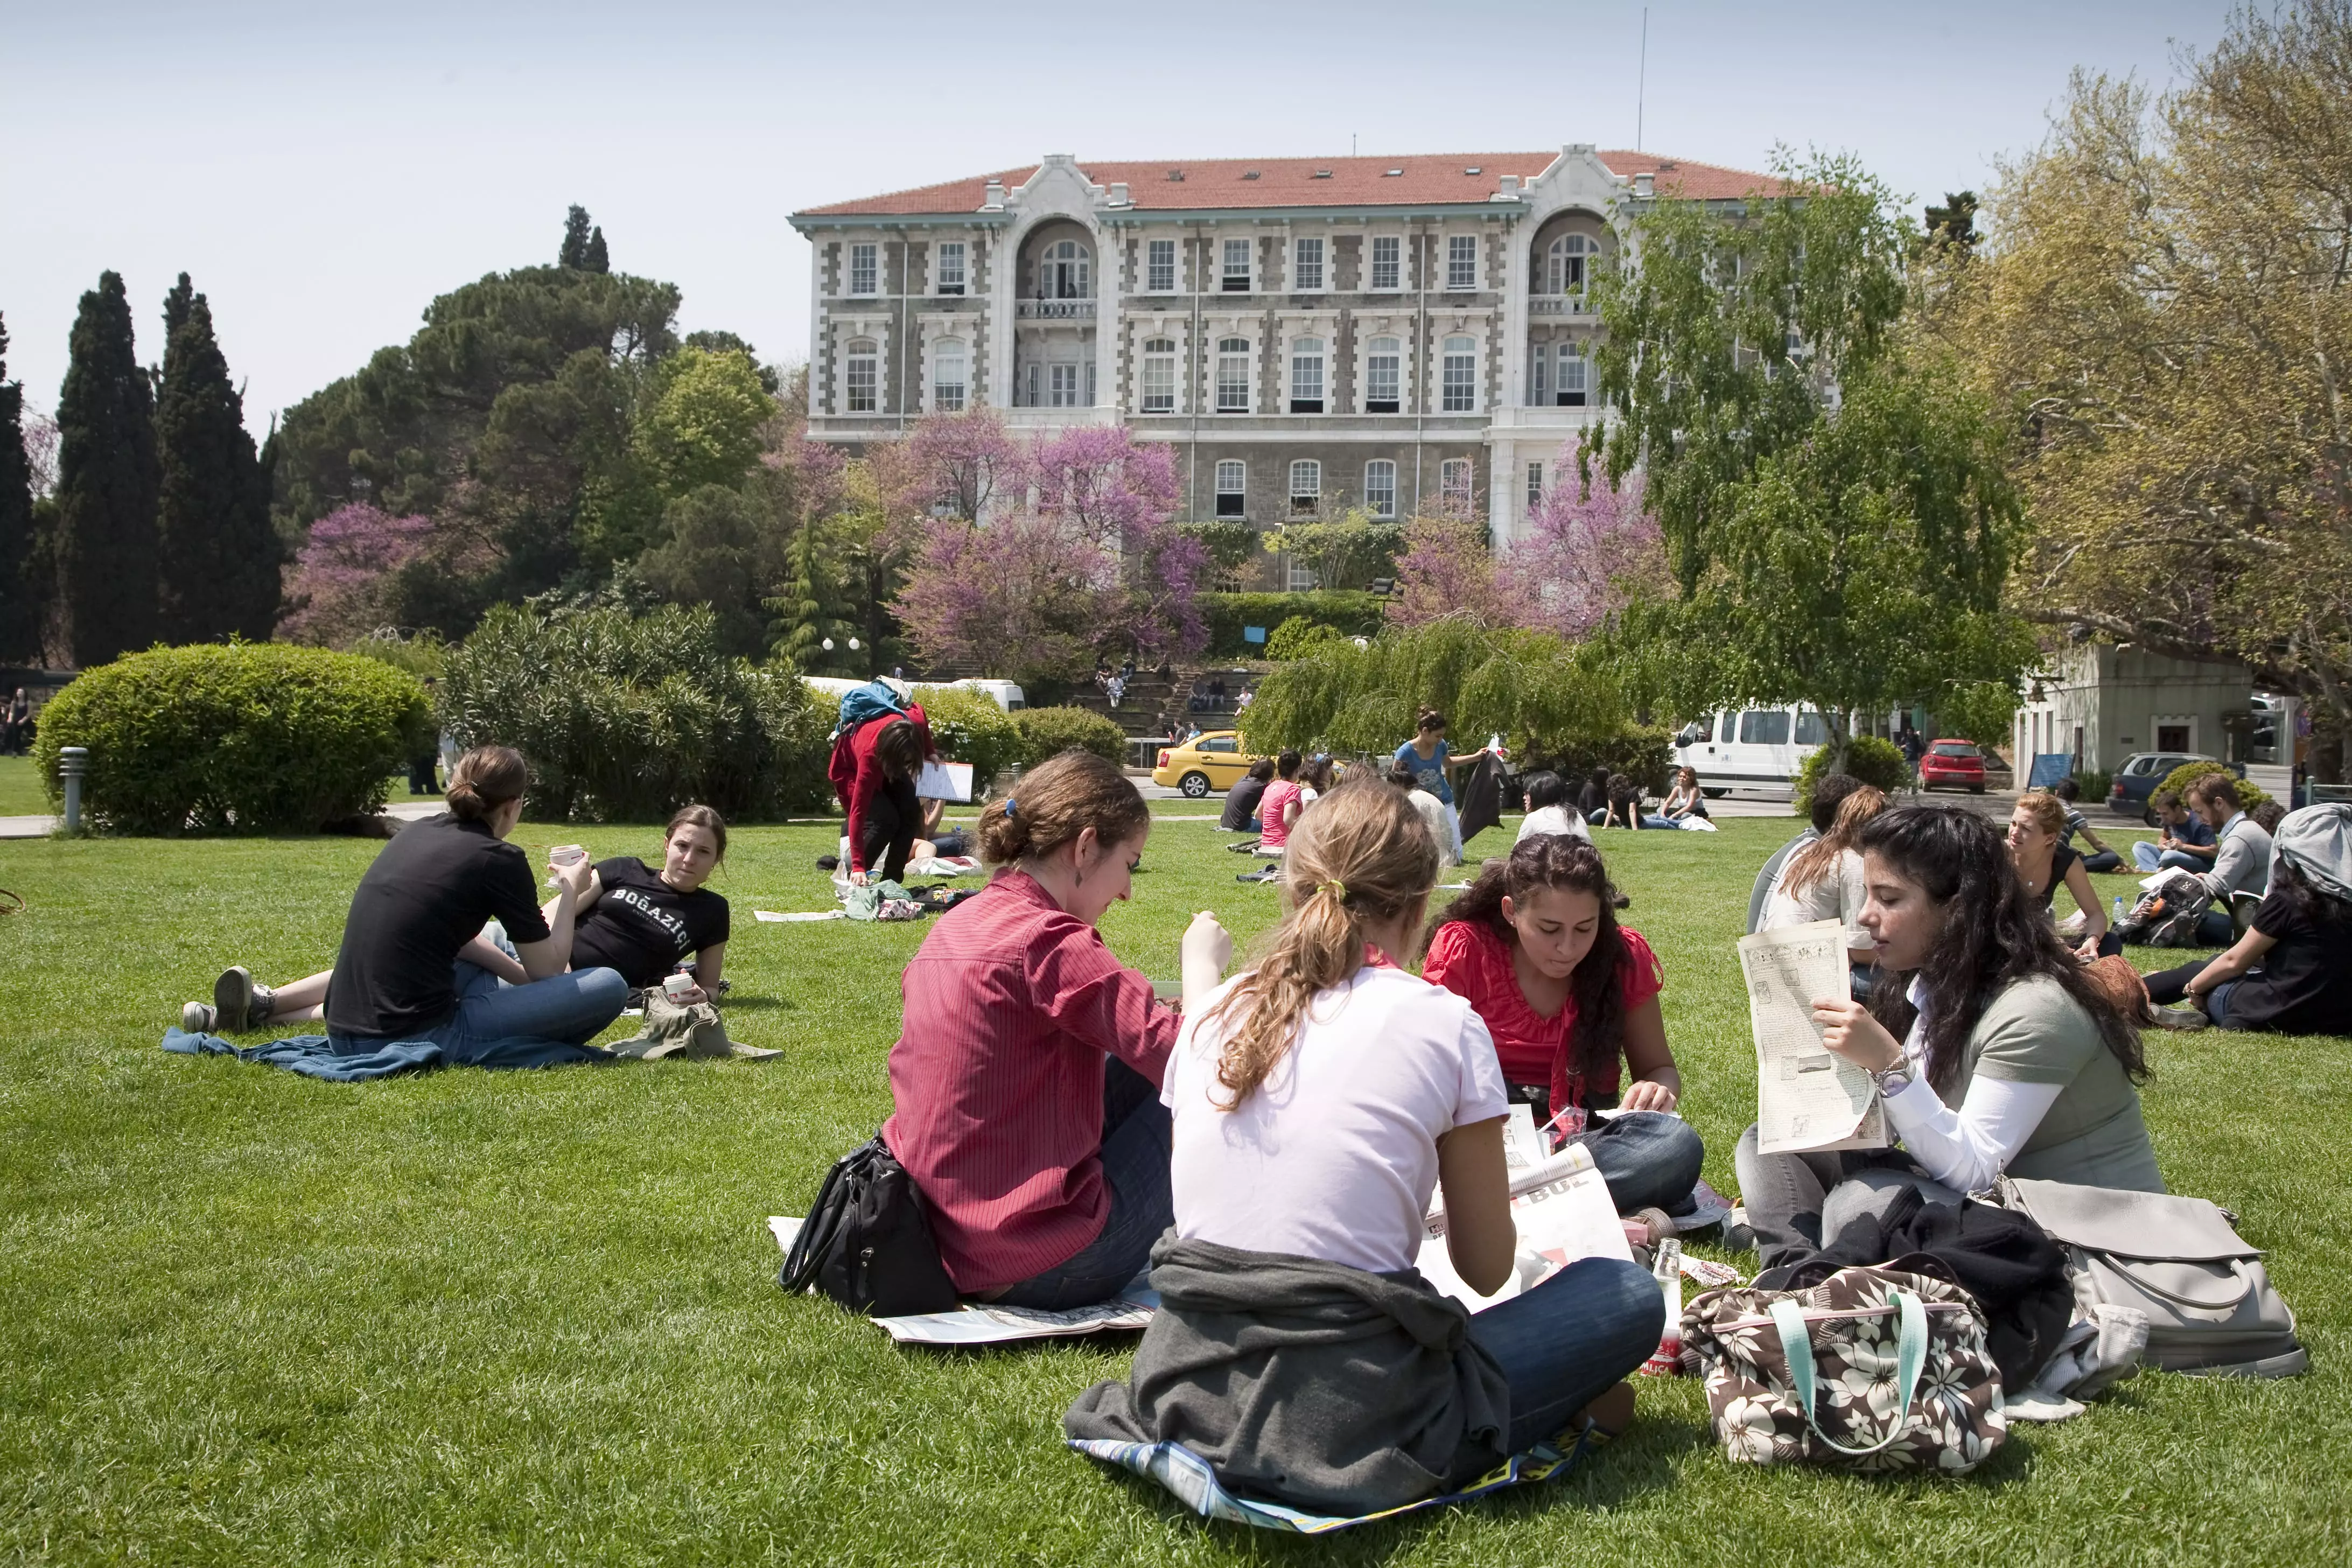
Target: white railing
[1558, 305]
[1055, 309]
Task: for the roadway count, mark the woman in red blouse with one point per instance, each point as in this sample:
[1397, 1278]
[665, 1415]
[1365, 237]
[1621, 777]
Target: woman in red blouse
[1572, 998]
[1027, 1078]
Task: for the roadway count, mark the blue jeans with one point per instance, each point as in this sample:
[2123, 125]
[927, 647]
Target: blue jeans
[2146, 857]
[1562, 1344]
[2215, 929]
[1137, 1136]
[1649, 1159]
[501, 1025]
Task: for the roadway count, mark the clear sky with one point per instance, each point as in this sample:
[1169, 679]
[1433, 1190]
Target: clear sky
[322, 170]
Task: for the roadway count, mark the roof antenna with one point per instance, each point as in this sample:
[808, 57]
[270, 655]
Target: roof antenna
[1641, 80]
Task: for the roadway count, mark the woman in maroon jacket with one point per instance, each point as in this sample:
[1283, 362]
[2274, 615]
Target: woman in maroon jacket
[1027, 1078]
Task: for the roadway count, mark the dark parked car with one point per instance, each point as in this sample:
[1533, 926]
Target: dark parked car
[2142, 772]
[1952, 764]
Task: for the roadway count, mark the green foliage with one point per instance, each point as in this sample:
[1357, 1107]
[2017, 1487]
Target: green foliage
[969, 727]
[217, 555]
[1298, 636]
[1528, 687]
[421, 654]
[573, 251]
[1980, 711]
[2249, 795]
[103, 551]
[236, 737]
[625, 718]
[20, 606]
[702, 426]
[2094, 783]
[1350, 613]
[720, 544]
[1232, 550]
[1049, 731]
[1642, 752]
[1868, 758]
[1344, 554]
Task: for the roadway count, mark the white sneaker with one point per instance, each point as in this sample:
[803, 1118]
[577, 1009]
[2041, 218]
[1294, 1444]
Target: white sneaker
[2188, 1020]
[196, 1018]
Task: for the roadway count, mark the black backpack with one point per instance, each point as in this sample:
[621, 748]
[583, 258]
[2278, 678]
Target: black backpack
[867, 1242]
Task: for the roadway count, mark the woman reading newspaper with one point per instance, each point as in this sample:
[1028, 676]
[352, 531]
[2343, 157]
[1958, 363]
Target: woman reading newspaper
[1318, 1098]
[1570, 998]
[1992, 1046]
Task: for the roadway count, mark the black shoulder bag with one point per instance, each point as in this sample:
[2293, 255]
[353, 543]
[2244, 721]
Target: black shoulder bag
[867, 1242]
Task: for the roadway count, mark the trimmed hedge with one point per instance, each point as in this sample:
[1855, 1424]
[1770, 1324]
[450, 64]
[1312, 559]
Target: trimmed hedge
[235, 738]
[1870, 759]
[1049, 731]
[1297, 638]
[1350, 613]
[2249, 795]
[969, 727]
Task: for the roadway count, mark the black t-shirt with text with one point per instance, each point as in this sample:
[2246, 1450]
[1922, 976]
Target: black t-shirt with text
[2305, 983]
[642, 926]
[427, 895]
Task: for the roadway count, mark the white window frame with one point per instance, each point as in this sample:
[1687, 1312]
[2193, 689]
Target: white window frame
[1380, 487]
[1156, 281]
[1394, 263]
[1063, 266]
[1394, 371]
[1061, 386]
[1458, 369]
[1243, 357]
[1307, 487]
[866, 263]
[1309, 275]
[1233, 479]
[950, 396]
[1457, 481]
[1156, 383]
[1309, 375]
[1572, 354]
[861, 372]
[1539, 377]
[1462, 264]
[1247, 276]
[1534, 483]
[1567, 265]
[951, 255]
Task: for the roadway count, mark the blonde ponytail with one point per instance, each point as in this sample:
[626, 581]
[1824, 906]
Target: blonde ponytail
[1360, 857]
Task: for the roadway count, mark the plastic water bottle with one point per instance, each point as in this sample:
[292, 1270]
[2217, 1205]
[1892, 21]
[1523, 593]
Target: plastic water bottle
[2119, 911]
[1667, 1359]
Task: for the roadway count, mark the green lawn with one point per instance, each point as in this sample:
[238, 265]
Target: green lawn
[468, 1317]
[20, 789]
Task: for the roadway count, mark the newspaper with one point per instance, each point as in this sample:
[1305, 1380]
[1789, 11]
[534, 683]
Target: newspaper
[979, 1324]
[1562, 1210]
[1807, 1098]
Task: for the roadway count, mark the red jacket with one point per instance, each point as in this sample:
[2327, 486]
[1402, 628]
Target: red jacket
[857, 775]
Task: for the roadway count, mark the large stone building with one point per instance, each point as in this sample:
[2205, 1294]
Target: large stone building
[1310, 334]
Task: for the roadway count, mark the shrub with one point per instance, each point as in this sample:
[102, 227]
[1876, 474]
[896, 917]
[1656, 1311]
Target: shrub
[625, 717]
[1296, 636]
[1867, 758]
[1642, 752]
[421, 654]
[2094, 784]
[1049, 731]
[1354, 614]
[241, 738]
[969, 727]
[2249, 795]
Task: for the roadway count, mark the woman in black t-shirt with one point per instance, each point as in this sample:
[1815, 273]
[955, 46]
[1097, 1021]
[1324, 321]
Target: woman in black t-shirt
[2291, 973]
[646, 924]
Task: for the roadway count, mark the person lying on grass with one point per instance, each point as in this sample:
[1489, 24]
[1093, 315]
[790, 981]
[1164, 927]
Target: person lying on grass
[403, 975]
[1317, 1101]
[647, 925]
[1995, 1045]
[1569, 999]
[1025, 1080]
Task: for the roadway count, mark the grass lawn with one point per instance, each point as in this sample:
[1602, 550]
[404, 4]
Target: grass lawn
[20, 789]
[468, 1317]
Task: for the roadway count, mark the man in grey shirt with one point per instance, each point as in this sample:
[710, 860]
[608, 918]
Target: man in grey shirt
[2241, 863]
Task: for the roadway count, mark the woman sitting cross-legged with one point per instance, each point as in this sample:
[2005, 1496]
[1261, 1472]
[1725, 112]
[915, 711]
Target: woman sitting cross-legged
[1318, 1100]
[1026, 1077]
[2038, 847]
[1993, 1044]
[408, 969]
[1571, 999]
[2292, 972]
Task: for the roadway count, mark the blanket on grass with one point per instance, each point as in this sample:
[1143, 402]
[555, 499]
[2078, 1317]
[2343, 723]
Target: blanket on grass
[313, 1057]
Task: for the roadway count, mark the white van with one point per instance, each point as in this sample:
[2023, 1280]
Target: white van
[1004, 693]
[1754, 746]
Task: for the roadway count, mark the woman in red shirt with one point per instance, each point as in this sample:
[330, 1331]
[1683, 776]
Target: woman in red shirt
[1278, 807]
[1571, 999]
[1026, 1077]
[884, 755]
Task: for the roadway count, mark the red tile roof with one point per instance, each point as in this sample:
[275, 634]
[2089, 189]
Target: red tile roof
[1427, 179]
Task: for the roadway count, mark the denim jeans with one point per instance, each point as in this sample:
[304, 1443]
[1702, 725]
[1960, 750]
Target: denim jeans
[2215, 929]
[1649, 1159]
[2147, 859]
[1137, 1136]
[1562, 1344]
[2105, 860]
[497, 1024]
[2167, 987]
[1789, 1198]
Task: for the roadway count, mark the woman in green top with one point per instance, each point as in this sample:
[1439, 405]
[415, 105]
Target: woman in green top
[1999, 1055]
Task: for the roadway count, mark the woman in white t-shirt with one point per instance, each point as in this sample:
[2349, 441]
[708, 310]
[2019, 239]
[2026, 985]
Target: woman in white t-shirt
[1823, 881]
[1318, 1100]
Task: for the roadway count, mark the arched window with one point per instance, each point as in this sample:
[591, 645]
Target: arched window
[1306, 376]
[1380, 487]
[1381, 361]
[1567, 265]
[1305, 488]
[1066, 272]
[857, 376]
[1233, 376]
[1461, 383]
[950, 371]
[1158, 376]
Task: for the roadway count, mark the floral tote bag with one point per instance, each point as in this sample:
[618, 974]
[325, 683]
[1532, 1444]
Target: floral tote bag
[1871, 1370]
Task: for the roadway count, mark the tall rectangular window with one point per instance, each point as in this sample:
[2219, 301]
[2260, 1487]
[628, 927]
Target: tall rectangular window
[1380, 357]
[1237, 266]
[1034, 401]
[1091, 368]
[1453, 482]
[1380, 487]
[1061, 386]
[948, 377]
[950, 266]
[1462, 263]
[1535, 484]
[1159, 375]
[1386, 274]
[1160, 266]
[857, 376]
[1305, 488]
[1306, 376]
[1232, 489]
[1539, 377]
[1307, 268]
[863, 272]
[1461, 376]
[1233, 376]
[1572, 375]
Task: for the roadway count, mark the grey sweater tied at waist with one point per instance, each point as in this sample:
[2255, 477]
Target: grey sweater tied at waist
[1314, 1383]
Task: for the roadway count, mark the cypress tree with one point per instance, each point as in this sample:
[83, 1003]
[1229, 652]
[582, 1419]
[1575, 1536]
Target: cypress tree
[20, 615]
[103, 553]
[574, 252]
[216, 552]
[597, 259]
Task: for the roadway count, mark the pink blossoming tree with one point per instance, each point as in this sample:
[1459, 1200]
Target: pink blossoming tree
[340, 580]
[1591, 548]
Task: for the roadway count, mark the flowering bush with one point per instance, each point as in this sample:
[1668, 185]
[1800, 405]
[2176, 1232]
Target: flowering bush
[342, 580]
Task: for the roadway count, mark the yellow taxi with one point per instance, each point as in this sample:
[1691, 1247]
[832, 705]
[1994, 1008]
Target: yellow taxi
[1204, 763]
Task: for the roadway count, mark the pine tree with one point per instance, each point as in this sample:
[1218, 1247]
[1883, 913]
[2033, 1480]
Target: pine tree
[103, 553]
[575, 238]
[20, 616]
[597, 259]
[217, 555]
[801, 622]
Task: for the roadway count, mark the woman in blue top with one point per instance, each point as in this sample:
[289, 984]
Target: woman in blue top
[1429, 758]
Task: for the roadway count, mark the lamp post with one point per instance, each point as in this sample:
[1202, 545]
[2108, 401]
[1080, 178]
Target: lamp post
[73, 761]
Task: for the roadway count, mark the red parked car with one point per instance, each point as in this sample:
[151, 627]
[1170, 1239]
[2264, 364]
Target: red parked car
[1952, 764]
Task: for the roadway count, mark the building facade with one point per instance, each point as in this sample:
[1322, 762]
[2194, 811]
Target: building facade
[1310, 335]
[2097, 704]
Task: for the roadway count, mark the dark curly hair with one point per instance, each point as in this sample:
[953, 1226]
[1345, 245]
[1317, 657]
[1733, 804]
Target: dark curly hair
[1572, 864]
[1994, 934]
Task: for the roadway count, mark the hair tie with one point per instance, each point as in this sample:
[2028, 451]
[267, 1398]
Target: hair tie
[1008, 805]
[1336, 888]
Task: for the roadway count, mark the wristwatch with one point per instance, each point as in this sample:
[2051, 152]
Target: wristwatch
[1893, 1080]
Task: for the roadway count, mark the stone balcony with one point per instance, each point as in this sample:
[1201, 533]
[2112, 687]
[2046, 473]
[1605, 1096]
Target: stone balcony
[1559, 305]
[1054, 309]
